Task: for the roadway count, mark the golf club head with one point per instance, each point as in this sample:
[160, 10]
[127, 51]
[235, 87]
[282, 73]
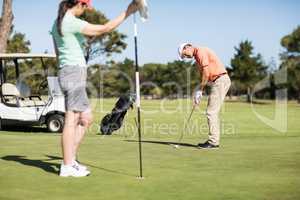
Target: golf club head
[143, 9]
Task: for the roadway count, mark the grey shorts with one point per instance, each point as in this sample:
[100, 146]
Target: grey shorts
[72, 80]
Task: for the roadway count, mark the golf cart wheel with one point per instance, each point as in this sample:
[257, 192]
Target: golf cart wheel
[55, 123]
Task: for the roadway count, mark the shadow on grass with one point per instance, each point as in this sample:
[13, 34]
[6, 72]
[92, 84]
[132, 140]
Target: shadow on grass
[51, 158]
[54, 167]
[46, 166]
[165, 143]
[256, 102]
[26, 129]
[261, 102]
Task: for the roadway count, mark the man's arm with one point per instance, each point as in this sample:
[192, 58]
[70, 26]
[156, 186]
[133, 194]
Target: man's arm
[205, 78]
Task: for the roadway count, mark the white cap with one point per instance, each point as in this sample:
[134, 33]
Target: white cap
[180, 49]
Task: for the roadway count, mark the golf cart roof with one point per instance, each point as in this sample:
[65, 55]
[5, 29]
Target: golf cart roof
[25, 56]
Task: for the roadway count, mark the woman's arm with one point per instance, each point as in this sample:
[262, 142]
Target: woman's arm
[96, 30]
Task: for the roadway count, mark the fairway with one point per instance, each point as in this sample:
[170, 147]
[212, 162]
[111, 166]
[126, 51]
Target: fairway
[255, 161]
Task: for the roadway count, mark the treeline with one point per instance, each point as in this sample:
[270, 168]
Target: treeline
[173, 80]
[250, 75]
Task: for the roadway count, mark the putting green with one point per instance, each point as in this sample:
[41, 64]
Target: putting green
[255, 161]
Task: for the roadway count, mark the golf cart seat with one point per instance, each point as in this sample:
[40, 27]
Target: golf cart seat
[10, 94]
[25, 92]
[11, 97]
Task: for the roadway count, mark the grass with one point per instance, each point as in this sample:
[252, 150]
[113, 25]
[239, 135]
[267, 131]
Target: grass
[255, 161]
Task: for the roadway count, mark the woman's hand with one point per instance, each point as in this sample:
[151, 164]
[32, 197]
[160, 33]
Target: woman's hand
[132, 8]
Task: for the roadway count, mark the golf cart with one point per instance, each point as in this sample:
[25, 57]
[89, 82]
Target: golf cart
[17, 105]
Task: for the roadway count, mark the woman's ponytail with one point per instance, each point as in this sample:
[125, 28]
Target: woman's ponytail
[64, 6]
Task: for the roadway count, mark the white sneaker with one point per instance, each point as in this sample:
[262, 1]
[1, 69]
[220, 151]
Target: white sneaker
[72, 170]
[80, 166]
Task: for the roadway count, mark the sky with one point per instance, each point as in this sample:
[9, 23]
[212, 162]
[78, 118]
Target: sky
[217, 24]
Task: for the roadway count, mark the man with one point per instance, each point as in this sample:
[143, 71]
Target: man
[213, 73]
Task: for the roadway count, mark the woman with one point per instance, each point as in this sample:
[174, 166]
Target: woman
[68, 34]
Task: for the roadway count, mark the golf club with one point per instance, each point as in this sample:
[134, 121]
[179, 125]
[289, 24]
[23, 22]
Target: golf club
[184, 128]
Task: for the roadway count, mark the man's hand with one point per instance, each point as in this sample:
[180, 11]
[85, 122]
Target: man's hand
[197, 97]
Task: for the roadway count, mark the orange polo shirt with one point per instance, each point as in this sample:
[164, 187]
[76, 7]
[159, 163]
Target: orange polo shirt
[206, 58]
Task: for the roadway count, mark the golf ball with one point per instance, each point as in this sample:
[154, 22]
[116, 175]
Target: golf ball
[176, 146]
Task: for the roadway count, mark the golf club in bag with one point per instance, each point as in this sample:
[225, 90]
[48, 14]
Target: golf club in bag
[114, 120]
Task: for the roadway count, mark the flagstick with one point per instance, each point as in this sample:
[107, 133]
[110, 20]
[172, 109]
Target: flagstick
[138, 97]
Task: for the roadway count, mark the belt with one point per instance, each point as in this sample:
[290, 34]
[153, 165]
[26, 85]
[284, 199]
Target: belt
[218, 76]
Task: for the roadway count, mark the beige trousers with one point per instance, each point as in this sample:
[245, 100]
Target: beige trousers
[216, 98]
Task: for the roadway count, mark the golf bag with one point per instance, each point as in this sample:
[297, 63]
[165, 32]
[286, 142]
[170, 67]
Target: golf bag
[114, 120]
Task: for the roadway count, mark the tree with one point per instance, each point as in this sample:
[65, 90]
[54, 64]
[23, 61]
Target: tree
[291, 42]
[152, 79]
[18, 44]
[114, 78]
[291, 61]
[104, 45]
[5, 24]
[183, 77]
[173, 79]
[247, 68]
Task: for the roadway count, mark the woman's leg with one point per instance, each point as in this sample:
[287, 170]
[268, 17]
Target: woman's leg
[68, 136]
[68, 139]
[85, 120]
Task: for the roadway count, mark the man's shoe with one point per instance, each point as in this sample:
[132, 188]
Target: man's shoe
[207, 145]
[73, 171]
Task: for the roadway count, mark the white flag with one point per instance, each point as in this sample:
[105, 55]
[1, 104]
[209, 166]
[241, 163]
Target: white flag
[143, 9]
